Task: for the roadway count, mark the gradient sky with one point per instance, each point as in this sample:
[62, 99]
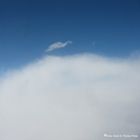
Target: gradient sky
[28, 27]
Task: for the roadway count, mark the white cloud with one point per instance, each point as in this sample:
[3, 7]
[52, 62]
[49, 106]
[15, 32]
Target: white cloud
[77, 97]
[58, 45]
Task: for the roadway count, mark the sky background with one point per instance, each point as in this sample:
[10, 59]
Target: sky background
[28, 27]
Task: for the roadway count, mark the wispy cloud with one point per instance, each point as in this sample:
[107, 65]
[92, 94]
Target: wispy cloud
[71, 98]
[58, 45]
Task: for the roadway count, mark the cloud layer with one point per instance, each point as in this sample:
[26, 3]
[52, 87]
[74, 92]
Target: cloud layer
[58, 45]
[78, 97]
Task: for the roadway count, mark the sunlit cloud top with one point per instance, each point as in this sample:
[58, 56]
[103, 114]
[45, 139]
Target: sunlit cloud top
[70, 98]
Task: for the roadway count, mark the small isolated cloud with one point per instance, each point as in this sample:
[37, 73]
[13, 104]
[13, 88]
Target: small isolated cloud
[78, 97]
[58, 45]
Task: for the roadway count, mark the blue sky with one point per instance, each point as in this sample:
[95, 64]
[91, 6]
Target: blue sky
[28, 27]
